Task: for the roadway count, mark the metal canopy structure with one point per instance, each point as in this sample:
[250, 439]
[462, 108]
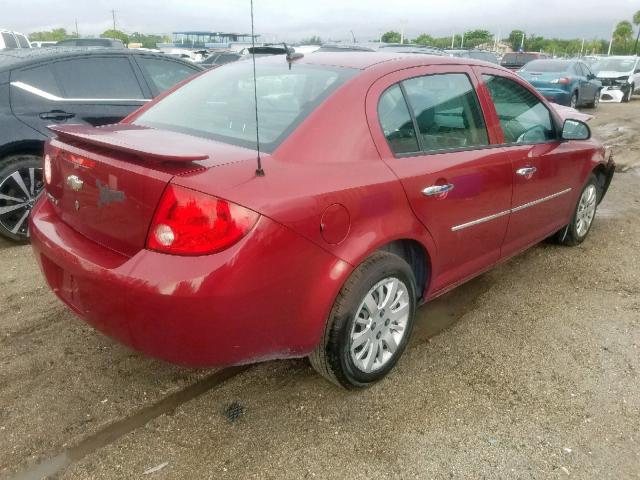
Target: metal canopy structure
[196, 39]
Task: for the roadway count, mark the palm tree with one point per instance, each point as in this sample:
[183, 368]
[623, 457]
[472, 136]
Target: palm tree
[623, 33]
[636, 22]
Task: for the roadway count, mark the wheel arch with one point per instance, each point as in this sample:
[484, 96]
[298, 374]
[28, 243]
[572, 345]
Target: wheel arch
[29, 147]
[418, 258]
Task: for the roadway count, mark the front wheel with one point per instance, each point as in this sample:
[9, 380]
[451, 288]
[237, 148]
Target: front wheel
[596, 101]
[627, 97]
[370, 323]
[578, 229]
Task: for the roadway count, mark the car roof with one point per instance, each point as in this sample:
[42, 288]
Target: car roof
[17, 58]
[365, 60]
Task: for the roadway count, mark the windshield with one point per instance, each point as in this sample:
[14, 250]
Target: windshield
[517, 58]
[544, 66]
[614, 65]
[220, 105]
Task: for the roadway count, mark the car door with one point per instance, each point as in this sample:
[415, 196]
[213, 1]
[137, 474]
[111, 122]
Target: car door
[162, 74]
[545, 170]
[594, 84]
[429, 127]
[92, 89]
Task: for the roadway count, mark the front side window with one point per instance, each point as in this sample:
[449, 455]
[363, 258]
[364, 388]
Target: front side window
[447, 112]
[523, 118]
[164, 74]
[108, 78]
[220, 104]
[396, 121]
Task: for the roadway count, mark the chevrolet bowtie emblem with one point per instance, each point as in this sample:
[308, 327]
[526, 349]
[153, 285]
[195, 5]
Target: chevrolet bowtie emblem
[75, 183]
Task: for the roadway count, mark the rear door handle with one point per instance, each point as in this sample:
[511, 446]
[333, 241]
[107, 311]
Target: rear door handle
[526, 172]
[437, 189]
[56, 115]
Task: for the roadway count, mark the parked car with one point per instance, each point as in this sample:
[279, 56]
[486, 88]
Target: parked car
[385, 181]
[409, 48]
[40, 87]
[345, 47]
[566, 82]
[44, 44]
[620, 77]
[474, 53]
[9, 39]
[91, 42]
[517, 60]
[221, 57]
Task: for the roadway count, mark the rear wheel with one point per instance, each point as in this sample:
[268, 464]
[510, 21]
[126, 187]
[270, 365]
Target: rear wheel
[20, 184]
[578, 229]
[573, 102]
[370, 323]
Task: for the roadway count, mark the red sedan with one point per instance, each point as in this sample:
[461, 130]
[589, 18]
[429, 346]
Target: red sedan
[388, 180]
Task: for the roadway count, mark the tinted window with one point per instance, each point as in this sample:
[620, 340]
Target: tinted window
[9, 40]
[447, 112]
[220, 104]
[226, 58]
[396, 121]
[518, 58]
[164, 74]
[545, 66]
[41, 77]
[22, 40]
[98, 78]
[587, 70]
[524, 119]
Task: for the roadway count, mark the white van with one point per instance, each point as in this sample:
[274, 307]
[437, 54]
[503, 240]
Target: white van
[9, 39]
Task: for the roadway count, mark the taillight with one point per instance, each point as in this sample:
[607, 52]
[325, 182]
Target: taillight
[188, 222]
[562, 81]
[47, 169]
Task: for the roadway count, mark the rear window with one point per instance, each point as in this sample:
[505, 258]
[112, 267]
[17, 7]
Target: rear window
[220, 105]
[22, 40]
[544, 66]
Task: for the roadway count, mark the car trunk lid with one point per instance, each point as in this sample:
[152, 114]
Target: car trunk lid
[106, 182]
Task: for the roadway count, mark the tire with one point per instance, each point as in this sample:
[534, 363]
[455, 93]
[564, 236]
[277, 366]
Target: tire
[356, 351]
[573, 101]
[18, 193]
[596, 101]
[575, 232]
[627, 97]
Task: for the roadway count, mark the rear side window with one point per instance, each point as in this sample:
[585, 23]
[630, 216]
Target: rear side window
[396, 121]
[9, 40]
[98, 78]
[447, 112]
[220, 104]
[164, 74]
[25, 82]
[523, 118]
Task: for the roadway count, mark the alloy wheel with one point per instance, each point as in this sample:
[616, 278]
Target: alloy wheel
[18, 193]
[586, 210]
[380, 325]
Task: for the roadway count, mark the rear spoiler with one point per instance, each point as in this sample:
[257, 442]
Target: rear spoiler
[144, 142]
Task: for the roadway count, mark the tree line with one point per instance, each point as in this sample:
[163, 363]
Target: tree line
[57, 34]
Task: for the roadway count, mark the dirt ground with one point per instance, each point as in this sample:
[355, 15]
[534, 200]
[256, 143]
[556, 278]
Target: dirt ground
[529, 371]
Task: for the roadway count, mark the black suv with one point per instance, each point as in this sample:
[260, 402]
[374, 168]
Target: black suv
[41, 87]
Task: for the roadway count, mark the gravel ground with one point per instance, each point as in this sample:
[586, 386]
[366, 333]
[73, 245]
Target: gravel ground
[529, 371]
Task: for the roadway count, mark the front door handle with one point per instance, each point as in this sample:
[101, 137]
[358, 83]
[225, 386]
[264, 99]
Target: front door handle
[437, 189]
[526, 172]
[56, 115]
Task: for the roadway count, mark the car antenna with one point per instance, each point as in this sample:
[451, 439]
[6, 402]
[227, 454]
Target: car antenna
[259, 170]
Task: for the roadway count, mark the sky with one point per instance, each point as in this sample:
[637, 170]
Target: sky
[286, 20]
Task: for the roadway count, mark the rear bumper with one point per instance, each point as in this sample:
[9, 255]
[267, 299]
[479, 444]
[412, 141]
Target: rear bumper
[556, 95]
[266, 297]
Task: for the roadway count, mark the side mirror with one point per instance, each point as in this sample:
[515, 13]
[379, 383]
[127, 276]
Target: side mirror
[575, 130]
[591, 76]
